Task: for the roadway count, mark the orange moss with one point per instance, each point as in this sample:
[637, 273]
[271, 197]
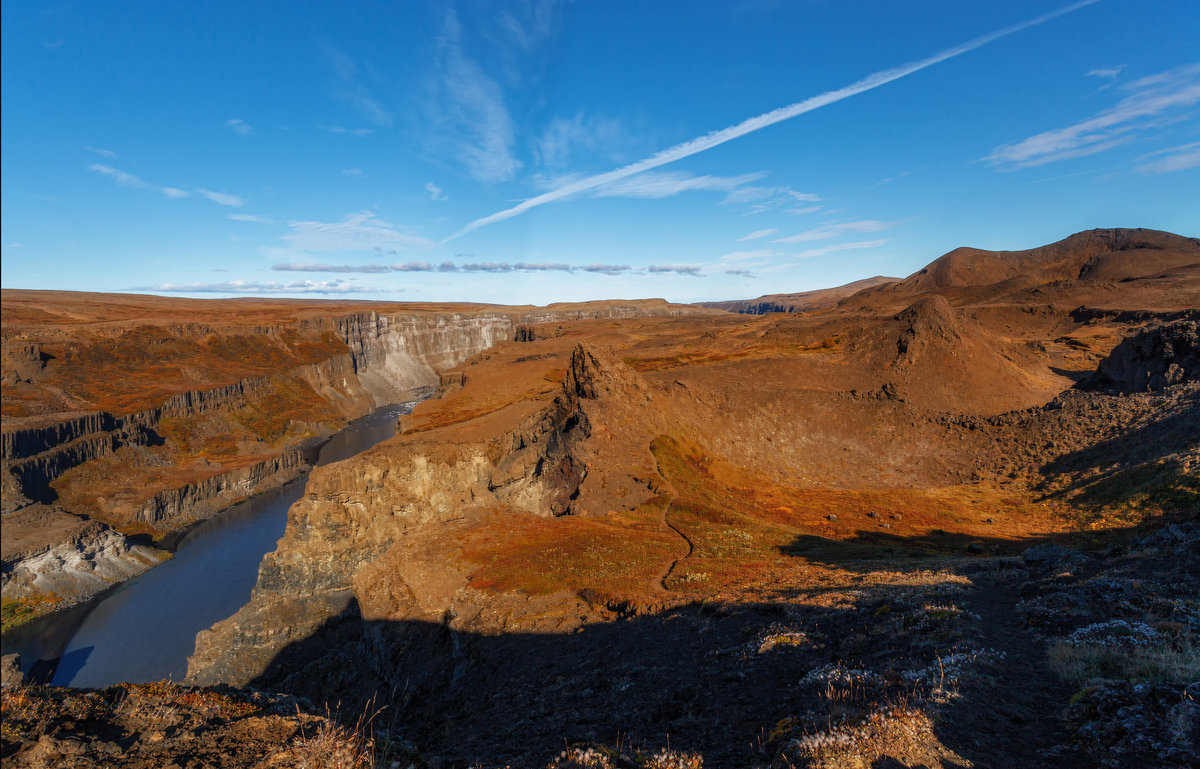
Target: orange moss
[749, 533]
[621, 554]
[756, 350]
[207, 702]
[141, 367]
[268, 414]
[749, 537]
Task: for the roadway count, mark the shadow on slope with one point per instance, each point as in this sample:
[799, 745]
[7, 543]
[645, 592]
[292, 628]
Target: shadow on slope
[1156, 458]
[743, 684]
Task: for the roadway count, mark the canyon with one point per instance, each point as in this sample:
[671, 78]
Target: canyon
[881, 528]
[128, 419]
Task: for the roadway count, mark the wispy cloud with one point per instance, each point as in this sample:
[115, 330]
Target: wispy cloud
[252, 218]
[750, 125]
[742, 256]
[740, 273]
[528, 24]
[759, 234]
[834, 230]
[469, 114]
[763, 199]
[424, 267]
[123, 178]
[766, 198]
[435, 192]
[607, 269]
[1179, 158]
[1108, 73]
[356, 232]
[101, 152]
[222, 198]
[682, 269]
[487, 267]
[810, 253]
[239, 126]
[1151, 101]
[267, 288]
[337, 129]
[565, 137]
[126, 179]
[348, 87]
[661, 184]
[320, 267]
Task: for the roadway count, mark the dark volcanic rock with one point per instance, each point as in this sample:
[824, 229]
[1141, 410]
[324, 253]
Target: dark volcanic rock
[1151, 360]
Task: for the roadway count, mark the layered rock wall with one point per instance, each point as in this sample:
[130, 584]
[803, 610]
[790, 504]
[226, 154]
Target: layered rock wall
[223, 489]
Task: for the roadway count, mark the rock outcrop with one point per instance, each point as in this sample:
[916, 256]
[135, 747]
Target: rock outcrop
[217, 492]
[94, 559]
[1151, 360]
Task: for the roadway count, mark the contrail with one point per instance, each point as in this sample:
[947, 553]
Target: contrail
[710, 140]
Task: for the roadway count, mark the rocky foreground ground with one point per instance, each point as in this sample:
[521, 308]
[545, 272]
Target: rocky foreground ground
[1056, 657]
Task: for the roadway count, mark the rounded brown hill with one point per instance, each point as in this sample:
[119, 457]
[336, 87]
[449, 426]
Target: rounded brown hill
[1113, 254]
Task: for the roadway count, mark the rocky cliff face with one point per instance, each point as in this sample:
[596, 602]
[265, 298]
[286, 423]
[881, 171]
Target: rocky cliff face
[217, 492]
[92, 561]
[35, 456]
[389, 361]
[398, 358]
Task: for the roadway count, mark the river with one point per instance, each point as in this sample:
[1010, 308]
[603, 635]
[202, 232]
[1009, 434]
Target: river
[145, 629]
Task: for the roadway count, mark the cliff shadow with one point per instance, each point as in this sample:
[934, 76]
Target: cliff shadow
[737, 682]
[1163, 434]
[873, 549]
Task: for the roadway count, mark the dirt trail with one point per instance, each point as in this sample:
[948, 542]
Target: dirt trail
[1013, 720]
[662, 581]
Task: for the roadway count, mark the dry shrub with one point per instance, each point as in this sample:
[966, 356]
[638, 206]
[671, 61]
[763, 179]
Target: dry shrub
[891, 730]
[593, 757]
[27, 711]
[1168, 663]
[335, 746]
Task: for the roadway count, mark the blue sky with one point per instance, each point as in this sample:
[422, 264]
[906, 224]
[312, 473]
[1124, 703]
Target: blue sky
[530, 152]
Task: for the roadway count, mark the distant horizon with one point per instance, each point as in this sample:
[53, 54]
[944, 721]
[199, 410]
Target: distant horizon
[546, 153]
[369, 300]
